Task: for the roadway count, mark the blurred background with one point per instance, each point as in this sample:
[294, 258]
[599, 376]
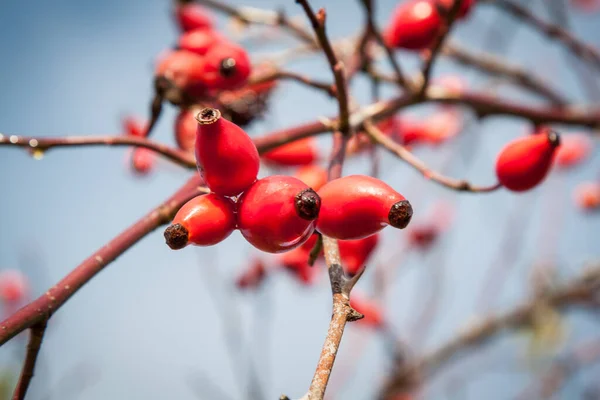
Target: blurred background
[160, 324]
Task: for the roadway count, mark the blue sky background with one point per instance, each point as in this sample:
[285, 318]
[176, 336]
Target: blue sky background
[147, 326]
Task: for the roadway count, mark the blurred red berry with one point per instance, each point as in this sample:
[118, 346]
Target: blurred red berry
[227, 66]
[587, 196]
[133, 126]
[185, 130]
[300, 152]
[185, 70]
[200, 41]
[313, 175]
[142, 160]
[414, 25]
[574, 149]
[14, 286]
[192, 16]
[586, 6]
[369, 308]
[296, 262]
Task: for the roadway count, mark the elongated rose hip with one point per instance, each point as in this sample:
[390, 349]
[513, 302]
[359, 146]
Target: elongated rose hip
[357, 206]
[277, 213]
[524, 163]
[203, 221]
[226, 156]
[414, 26]
[300, 152]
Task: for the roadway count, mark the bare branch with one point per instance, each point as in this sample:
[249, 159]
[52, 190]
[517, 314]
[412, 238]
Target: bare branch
[47, 304]
[552, 31]
[36, 335]
[328, 88]
[405, 155]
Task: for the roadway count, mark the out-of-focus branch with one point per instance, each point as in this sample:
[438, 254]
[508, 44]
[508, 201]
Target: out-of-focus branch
[337, 67]
[444, 31]
[42, 144]
[575, 45]
[402, 152]
[252, 15]
[492, 65]
[581, 291]
[561, 370]
[55, 297]
[36, 335]
[328, 88]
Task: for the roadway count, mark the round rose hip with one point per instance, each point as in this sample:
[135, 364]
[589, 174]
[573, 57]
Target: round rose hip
[185, 70]
[524, 163]
[414, 26]
[203, 221]
[277, 213]
[192, 16]
[14, 286]
[226, 156]
[227, 66]
[356, 206]
[185, 130]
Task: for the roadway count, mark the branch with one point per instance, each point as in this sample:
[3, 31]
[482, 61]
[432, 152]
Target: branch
[445, 29]
[43, 307]
[42, 144]
[405, 155]
[337, 67]
[326, 87]
[581, 291]
[495, 66]
[252, 15]
[552, 31]
[36, 335]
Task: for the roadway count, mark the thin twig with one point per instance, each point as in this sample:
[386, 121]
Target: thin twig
[55, 297]
[576, 46]
[36, 335]
[326, 87]
[444, 31]
[495, 66]
[337, 67]
[402, 152]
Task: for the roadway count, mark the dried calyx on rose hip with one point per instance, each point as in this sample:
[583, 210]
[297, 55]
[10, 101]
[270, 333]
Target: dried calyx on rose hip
[277, 213]
[357, 206]
[226, 156]
[524, 163]
[203, 221]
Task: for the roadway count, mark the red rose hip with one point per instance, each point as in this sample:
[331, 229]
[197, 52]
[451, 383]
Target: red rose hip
[192, 16]
[300, 152]
[226, 156]
[185, 130]
[357, 206]
[414, 26]
[277, 213]
[203, 221]
[525, 162]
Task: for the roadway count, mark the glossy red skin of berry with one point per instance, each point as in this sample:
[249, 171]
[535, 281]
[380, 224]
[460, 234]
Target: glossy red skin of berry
[300, 152]
[267, 215]
[226, 156]
[355, 206]
[200, 41]
[186, 70]
[465, 7]
[414, 26]
[192, 16]
[574, 149]
[355, 253]
[296, 262]
[142, 160]
[213, 74]
[313, 175]
[525, 162]
[14, 286]
[208, 218]
[371, 310]
[185, 130]
[134, 127]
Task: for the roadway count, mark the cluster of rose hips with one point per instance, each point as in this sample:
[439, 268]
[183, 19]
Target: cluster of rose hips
[277, 213]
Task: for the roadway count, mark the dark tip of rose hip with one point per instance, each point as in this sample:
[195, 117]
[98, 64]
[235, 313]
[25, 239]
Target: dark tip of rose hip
[208, 116]
[400, 214]
[553, 138]
[176, 236]
[308, 204]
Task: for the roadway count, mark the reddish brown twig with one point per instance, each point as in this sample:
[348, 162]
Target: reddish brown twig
[326, 87]
[444, 31]
[43, 307]
[42, 144]
[36, 335]
[552, 31]
[402, 152]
